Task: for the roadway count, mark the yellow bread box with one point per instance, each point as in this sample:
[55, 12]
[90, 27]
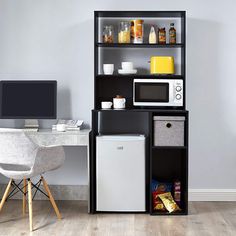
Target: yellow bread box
[162, 65]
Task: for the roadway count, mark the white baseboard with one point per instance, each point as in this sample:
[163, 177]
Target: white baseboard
[80, 192]
[212, 194]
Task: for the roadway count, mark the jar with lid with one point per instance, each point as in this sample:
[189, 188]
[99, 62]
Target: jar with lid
[162, 35]
[124, 32]
[108, 34]
[137, 31]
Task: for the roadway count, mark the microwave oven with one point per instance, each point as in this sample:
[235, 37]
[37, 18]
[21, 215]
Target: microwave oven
[158, 92]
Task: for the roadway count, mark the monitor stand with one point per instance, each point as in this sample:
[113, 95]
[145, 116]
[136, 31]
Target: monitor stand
[31, 125]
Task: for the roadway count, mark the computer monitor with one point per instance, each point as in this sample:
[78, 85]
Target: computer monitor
[28, 99]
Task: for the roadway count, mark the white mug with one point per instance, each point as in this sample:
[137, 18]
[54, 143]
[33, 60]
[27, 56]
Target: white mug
[119, 103]
[61, 127]
[127, 65]
[108, 69]
[106, 105]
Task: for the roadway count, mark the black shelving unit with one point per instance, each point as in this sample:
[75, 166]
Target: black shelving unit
[165, 163]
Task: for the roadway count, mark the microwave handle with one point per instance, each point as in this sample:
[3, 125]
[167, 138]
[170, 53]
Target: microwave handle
[171, 92]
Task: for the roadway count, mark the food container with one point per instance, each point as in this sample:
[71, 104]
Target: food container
[162, 65]
[169, 130]
[137, 31]
[162, 36]
[124, 32]
[108, 34]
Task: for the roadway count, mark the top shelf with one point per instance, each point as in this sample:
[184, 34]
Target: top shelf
[143, 45]
[115, 14]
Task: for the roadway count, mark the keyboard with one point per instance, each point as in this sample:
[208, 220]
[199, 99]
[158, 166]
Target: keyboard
[30, 129]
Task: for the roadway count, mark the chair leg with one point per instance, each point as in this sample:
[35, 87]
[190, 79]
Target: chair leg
[24, 197]
[51, 198]
[30, 204]
[5, 194]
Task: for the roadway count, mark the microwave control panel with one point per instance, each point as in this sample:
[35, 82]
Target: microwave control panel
[178, 92]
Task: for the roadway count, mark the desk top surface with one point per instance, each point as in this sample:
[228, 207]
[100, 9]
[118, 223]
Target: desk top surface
[49, 131]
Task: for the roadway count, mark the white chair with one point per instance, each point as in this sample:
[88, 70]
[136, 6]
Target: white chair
[22, 159]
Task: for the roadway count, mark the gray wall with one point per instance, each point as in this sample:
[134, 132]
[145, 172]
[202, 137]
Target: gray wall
[53, 39]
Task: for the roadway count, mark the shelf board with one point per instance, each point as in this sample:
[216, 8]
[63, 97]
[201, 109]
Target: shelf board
[143, 45]
[137, 76]
[140, 14]
[167, 213]
[169, 147]
[174, 111]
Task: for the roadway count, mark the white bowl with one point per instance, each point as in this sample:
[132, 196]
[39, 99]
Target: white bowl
[106, 105]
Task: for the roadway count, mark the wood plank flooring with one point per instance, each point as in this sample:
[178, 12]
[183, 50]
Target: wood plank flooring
[204, 219]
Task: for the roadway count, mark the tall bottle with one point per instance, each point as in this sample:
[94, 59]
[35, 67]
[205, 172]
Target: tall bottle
[172, 34]
[152, 36]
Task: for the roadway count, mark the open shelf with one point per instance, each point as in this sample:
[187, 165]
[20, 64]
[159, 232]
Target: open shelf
[167, 165]
[137, 76]
[143, 45]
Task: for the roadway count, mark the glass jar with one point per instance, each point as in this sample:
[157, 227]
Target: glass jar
[108, 34]
[124, 32]
[137, 31]
[162, 35]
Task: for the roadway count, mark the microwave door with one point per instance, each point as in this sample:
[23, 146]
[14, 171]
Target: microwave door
[151, 94]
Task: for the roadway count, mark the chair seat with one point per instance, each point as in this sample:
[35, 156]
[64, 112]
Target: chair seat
[15, 171]
[14, 167]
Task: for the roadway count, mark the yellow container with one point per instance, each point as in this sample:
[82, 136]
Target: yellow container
[162, 65]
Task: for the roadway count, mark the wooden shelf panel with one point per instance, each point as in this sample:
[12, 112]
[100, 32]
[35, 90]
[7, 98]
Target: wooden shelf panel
[143, 45]
[156, 111]
[169, 147]
[155, 14]
[137, 76]
[167, 213]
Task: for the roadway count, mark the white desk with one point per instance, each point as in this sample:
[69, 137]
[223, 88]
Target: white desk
[47, 137]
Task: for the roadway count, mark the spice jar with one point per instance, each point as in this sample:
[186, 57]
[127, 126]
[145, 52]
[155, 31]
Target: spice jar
[161, 35]
[124, 32]
[172, 34]
[137, 31]
[108, 34]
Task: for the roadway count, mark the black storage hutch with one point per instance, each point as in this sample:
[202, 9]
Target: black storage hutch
[164, 163]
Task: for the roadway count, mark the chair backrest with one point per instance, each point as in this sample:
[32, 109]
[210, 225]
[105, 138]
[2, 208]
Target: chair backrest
[16, 147]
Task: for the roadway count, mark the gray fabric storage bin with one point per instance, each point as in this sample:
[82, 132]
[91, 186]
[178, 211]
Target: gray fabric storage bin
[169, 130]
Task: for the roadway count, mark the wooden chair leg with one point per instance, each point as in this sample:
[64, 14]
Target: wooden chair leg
[51, 199]
[24, 197]
[30, 205]
[5, 194]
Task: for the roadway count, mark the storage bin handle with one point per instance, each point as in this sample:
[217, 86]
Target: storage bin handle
[168, 125]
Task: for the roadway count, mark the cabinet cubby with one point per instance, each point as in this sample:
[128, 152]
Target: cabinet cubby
[168, 165]
[163, 163]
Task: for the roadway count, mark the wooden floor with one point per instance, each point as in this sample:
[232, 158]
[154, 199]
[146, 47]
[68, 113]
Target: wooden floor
[205, 218]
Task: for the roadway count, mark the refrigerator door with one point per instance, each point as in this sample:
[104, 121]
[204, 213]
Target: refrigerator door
[120, 167]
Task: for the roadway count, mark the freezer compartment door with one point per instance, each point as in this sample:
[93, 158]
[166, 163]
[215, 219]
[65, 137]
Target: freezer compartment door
[120, 174]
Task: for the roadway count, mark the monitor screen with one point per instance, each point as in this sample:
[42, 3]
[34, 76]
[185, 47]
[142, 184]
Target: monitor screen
[28, 99]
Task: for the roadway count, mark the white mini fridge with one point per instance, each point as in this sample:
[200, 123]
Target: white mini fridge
[120, 173]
